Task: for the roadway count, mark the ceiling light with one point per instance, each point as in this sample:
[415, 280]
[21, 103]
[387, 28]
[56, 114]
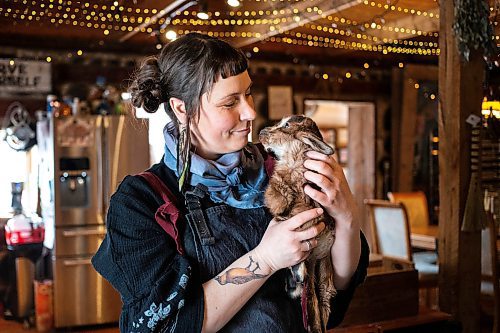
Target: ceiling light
[171, 35]
[203, 13]
[233, 3]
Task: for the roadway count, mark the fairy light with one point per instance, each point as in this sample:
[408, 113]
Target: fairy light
[395, 8]
[90, 14]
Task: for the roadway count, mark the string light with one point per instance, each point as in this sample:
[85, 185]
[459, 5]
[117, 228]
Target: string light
[338, 44]
[399, 9]
[124, 19]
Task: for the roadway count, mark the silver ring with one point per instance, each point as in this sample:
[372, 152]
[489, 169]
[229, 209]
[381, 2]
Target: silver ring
[309, 246]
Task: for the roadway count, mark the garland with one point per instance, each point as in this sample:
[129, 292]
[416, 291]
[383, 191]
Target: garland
[473, 28]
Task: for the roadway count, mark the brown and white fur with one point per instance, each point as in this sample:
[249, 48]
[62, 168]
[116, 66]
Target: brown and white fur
[311, 279]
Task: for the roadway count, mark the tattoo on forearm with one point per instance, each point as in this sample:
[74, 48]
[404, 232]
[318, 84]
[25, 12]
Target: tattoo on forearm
[240, 275]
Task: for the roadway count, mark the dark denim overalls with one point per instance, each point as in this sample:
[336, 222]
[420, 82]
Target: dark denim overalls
[217, 235]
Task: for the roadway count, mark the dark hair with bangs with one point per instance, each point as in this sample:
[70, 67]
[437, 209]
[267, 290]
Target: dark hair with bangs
[185, 69]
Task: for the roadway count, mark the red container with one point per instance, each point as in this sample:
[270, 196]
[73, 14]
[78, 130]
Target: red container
[44, 311]
[20, 230]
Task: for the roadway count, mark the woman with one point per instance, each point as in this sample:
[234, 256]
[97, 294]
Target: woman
[223, 270]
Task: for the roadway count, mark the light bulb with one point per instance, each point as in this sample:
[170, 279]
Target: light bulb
[171, 35]
[233, 3]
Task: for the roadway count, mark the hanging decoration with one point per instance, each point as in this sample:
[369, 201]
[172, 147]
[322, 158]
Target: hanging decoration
[18, 128]
[473, 28]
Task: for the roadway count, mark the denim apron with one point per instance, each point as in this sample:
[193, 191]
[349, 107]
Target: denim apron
[217, 235]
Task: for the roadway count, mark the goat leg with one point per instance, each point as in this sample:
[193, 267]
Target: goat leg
[313, 306]
[326, 288]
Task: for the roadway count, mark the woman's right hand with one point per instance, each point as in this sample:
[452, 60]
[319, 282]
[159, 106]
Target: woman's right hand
[283, 245]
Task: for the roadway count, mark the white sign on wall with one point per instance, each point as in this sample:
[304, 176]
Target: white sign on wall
[25, 76]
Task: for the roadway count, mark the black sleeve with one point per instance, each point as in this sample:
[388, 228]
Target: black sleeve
[341, 301]
[140, 260]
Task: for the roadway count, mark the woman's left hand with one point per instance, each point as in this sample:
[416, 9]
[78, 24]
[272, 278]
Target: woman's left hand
[334, 195]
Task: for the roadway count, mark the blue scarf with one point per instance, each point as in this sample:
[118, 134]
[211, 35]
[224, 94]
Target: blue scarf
[238, 179]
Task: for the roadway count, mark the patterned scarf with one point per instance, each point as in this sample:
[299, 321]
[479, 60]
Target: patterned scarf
[238, 179]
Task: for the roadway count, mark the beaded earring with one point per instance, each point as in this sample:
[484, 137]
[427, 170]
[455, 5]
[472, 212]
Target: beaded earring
[183, 155]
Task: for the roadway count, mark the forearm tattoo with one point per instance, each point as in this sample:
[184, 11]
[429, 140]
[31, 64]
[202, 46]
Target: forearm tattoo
[240, 275]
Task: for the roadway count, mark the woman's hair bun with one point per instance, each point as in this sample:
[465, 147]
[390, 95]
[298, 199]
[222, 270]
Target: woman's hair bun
[145, 89]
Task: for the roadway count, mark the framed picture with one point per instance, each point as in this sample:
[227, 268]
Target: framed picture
[280, 101]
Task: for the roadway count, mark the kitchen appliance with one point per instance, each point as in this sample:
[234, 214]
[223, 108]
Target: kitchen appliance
[84, 158]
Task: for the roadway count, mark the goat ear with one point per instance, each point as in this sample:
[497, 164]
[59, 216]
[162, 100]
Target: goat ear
[315, 143]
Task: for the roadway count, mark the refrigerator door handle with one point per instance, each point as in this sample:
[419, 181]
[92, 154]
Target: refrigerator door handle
[76, 262]
[100, 169]
[76, 233]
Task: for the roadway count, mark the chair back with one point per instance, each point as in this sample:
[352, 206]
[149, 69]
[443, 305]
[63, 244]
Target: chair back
[489, 257]
[391, 229]
[416, 206]
[490, 279]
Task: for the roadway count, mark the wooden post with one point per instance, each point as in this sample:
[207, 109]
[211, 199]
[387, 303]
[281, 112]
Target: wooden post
[460, 91]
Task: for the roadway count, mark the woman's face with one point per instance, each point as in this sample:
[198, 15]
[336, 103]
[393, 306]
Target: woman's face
[225, 117]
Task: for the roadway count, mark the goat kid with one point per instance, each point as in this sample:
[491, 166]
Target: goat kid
[311, 279]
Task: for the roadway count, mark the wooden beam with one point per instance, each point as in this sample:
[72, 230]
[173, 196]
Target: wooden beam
[406, 128]
[460, 91]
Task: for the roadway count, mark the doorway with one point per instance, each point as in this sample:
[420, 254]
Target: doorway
[350, 128]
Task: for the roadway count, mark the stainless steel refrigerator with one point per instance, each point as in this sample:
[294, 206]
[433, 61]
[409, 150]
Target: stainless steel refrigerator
[83, 160]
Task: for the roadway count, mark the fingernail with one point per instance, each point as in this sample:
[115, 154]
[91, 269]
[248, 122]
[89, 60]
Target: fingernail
[320, 210]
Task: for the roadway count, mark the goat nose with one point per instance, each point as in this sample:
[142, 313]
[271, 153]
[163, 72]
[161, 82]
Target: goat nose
[263, 133]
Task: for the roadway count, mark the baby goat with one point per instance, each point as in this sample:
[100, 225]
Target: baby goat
[311, 279]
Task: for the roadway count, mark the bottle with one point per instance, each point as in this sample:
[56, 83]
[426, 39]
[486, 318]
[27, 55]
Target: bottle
[50, 103]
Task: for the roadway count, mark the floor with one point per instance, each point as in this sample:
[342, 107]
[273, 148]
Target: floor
[10, 326]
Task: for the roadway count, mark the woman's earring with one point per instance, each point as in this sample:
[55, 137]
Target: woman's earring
[183, 155]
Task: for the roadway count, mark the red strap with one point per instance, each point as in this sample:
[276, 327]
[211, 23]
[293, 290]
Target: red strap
[269, 161]
[167, 214]
[303, 303]
[269, 165]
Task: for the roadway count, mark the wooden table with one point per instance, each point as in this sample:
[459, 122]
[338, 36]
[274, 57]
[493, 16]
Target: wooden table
[424, 237]
[425, 316]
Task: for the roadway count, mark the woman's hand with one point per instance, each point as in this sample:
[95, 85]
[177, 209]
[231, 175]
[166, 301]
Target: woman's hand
[283, 245]
[337, 200]
[334, 195]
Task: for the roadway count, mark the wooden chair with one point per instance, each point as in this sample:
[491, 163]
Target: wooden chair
[391, 232]
[415, 204]
[490, 288]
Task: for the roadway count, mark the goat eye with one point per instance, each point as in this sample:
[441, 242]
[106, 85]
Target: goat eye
[286, 125]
